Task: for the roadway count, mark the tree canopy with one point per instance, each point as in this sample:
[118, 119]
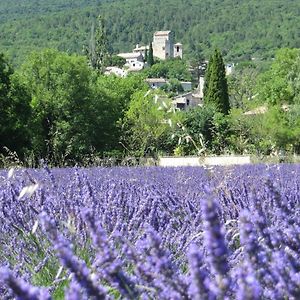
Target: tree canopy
[242, 29]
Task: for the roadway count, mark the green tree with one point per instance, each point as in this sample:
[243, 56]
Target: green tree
[146, 122]
[114, 108]
[15, 111]
[62, 103]
[277, 85]
[97, 52]
[150, 58]
[117, 61]
[170, 69]
[216, 91]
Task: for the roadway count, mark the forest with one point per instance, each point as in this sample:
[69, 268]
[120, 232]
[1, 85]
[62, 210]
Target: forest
[240, 28]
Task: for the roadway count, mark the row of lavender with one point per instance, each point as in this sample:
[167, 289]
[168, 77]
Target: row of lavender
[150, 233]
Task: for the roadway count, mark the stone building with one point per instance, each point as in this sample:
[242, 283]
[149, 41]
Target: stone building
[134, 61]
[164, 46]
[178, 50]
[187, 101]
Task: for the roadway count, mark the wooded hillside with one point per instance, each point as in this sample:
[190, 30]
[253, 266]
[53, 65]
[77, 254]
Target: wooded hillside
[240, 28]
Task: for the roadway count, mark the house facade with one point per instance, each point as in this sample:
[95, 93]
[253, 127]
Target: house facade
[187, 101]
[141, 49]
[134, 60]
[155, 83]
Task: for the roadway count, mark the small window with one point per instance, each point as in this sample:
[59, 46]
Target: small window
[187, 102]
[163, 48]
[177, 48]
[134, 65]
[180, 106]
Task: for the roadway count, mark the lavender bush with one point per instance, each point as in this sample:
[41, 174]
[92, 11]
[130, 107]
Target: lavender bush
[150, 233]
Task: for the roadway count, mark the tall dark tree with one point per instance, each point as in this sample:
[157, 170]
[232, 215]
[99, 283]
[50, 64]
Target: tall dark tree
[216, 88]
[150, 58]
[146, 55]
[97, 52]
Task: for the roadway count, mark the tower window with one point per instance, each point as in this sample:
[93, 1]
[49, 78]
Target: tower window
[177, 48]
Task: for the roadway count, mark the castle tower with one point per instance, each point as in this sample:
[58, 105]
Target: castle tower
[178, 50]
[163, 44]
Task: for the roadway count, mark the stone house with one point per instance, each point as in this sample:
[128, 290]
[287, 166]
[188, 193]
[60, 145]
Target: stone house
[115, 71]
[155, 83]
[187, 101]
[141, 49]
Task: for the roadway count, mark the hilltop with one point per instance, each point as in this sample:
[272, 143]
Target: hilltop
[240, 28]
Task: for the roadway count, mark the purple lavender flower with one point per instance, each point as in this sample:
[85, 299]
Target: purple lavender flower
[215, 245]
[21, 289]
[199, 287]
[81, 272]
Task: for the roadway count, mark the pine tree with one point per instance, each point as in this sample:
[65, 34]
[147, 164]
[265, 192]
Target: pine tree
[216, 88]
[150, 60]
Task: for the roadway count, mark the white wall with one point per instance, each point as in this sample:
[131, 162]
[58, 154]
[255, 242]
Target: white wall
[201, 161]
[226, 160]
[179, 161]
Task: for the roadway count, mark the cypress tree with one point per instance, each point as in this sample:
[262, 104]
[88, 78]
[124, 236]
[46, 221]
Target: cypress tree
[97, 52]
[207, 76]
[146, 55]
[216, 88]
[150, 59]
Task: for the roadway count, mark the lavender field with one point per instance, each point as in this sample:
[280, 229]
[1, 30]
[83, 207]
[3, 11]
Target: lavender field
[150, 233]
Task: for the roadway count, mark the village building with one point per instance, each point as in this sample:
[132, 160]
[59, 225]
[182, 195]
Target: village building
[187, 101]
[229, 68]
[178, 52]
[155, 83]
[164, 47]
[186, 85]
[201, 86]
[115, 71]
[141, 49]
[134, 61]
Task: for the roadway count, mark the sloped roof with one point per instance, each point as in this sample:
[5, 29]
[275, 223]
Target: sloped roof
[141, 48]
[130, 55]
[166, 32]
[158, 80]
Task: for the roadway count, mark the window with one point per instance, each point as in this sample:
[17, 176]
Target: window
[187, 102]
[134, 65]
[180, 106]
[177, 49]
[163, 48]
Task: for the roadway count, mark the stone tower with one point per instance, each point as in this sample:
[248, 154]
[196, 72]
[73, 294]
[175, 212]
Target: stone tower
[178, 50]
[163, 44]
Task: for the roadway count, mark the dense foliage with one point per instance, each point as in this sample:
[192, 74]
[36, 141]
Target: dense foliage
[55, 106]
[215, 87]
[150, 233]
[240, 28]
